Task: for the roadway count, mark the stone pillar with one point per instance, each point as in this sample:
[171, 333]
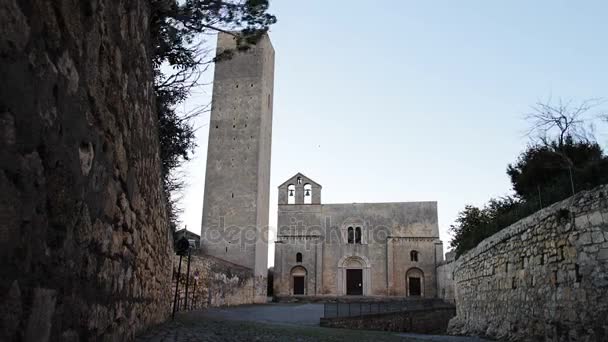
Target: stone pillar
[389, 267]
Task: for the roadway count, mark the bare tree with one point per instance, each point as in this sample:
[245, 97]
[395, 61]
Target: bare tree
[553, 125]
[562, 120]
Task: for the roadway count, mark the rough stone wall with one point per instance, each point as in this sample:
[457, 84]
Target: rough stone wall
[544, 278]
[219, 283]
[445, 280]
[85, 250]
[423, 321]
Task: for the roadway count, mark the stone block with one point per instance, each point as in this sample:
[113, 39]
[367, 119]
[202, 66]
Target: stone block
[40, 319]
[602, 254]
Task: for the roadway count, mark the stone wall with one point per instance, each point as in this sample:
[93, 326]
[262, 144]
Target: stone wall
[445, 281]
[85, 250]
[544, 278]
[423, 321]
[213, 282]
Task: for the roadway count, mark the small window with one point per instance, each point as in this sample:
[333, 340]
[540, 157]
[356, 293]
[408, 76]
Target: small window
[414, 255]
[291, 194]
[299, 257]
[351, 235]
[299, 180]
[358, 235]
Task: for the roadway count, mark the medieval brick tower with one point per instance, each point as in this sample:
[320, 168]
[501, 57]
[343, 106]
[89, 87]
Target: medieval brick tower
[237, 182]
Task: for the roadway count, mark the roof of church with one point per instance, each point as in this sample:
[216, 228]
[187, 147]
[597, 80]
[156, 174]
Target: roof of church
[305, 180]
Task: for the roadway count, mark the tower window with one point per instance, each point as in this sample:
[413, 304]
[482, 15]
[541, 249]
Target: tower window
[414, 256]
[351, 235]
[307, 194]
[291, 196]
[358, 235]
[299, 257]
[299, 180]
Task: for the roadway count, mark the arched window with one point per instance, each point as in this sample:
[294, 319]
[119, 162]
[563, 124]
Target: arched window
[291, 194]
[358, 235]
[351, 235]
[414, 255]
[307, 194]
[299, 257]
[299, 180]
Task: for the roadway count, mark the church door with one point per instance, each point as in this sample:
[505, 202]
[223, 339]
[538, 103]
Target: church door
[414, 286]
[298, 285]
[354, 282]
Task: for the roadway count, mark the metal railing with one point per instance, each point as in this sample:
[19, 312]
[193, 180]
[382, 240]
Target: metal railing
[332, 310]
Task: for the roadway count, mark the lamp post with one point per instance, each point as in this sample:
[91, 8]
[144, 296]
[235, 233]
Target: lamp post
[182, 247]
[187, 279]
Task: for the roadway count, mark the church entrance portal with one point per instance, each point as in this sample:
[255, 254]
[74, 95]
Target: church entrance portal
[414, 282]
[298, 285]
[354, 282]
[414, 286]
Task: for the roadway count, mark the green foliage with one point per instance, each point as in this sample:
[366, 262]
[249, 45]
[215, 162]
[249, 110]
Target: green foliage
[540, 177]
[544, 170]
[177, 31]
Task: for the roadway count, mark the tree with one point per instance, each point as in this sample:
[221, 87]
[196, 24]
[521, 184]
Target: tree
[179, 31]
[548, 173]
[468, 229]
[562, 159]
[560, 121]
[563, 137]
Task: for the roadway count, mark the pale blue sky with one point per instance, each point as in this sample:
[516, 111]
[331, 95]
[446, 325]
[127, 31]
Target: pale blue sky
[387, 101]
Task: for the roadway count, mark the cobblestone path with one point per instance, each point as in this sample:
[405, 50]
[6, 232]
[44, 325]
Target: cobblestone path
[194, 326]
[270, 322]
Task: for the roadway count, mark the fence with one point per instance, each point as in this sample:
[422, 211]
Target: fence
[332, 310]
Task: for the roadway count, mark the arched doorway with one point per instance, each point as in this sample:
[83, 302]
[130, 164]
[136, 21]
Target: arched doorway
[353, 276]
[414, 282]
[298, 280]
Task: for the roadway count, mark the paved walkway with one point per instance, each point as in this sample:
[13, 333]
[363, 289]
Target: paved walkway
[270, 322]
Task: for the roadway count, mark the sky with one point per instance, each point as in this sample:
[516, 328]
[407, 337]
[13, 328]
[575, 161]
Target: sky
[394, 101]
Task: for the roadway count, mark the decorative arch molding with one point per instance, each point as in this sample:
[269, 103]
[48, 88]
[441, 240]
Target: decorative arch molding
[362, 258]
[298, 270]
[354, 262]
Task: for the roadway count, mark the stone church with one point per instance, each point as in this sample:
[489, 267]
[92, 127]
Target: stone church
[354, 249]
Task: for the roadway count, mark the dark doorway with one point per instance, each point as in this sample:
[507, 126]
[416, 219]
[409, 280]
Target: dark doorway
[354, 282]
[415, 289]
[298, 285]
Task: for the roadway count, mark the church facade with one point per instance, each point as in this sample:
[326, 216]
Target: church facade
[353, 249]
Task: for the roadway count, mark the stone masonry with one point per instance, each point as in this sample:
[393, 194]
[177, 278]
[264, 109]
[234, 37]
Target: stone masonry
[85, 250]
[362, 249]
[237, 180]
[219, 283]
[544, 278]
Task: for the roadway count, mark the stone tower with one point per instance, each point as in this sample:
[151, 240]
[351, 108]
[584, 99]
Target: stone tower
[237, 182]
